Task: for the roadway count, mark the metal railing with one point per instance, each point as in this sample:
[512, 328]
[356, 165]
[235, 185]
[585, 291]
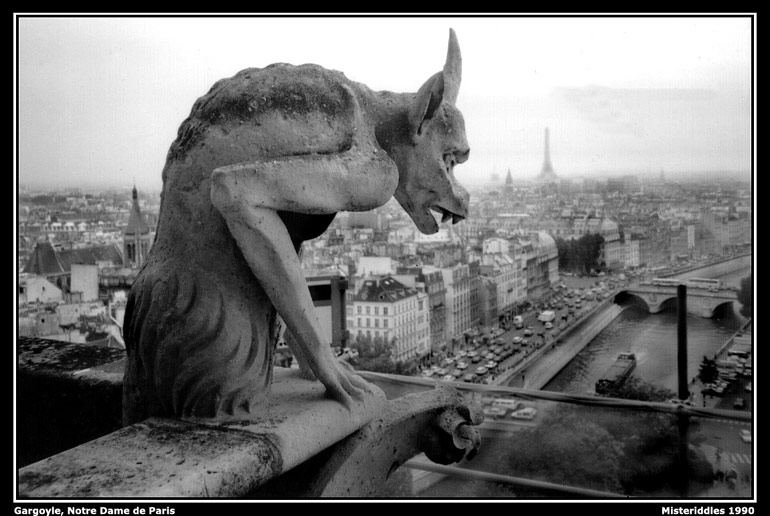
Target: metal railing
[676, 411]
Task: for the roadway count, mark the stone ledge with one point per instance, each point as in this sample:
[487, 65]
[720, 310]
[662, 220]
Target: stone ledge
[69, 396]
[172, 458]
[66, 394]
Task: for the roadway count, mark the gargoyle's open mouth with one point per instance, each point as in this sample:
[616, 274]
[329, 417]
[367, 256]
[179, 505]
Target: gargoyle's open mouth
[446, 214]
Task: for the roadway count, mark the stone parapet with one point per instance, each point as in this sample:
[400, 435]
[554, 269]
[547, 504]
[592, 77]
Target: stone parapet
[306, 445]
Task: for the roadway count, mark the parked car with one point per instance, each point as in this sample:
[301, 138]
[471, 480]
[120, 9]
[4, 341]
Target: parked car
[527, 413]
[494, 412]
[746, 436]
[481, 370]
[469, 377]
[548, 326]
[739, 403]
[448, 378]
[491, 364]
[529, 330]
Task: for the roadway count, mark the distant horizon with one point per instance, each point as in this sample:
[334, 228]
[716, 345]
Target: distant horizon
[736, 175]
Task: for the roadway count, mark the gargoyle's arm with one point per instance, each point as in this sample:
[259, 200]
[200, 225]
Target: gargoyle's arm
[249, 195]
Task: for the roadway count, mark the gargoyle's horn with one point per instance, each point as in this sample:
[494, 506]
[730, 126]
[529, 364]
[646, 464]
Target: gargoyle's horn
[453, 69]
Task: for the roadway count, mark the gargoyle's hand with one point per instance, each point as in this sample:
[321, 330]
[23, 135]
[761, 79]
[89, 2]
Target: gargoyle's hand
[342, 383]
[354, 377]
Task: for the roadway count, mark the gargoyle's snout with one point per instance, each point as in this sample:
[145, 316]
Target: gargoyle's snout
[456, 208]
[462, 199]
[447, 214]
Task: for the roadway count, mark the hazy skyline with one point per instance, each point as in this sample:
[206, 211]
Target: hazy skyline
[100, 99]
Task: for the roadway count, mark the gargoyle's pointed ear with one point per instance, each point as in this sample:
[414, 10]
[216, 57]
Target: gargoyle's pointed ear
[453, 69]
[425, 103]
[444, 85]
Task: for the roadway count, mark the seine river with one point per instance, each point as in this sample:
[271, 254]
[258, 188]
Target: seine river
[653, 338]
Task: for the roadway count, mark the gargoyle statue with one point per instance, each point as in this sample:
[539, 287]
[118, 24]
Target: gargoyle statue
[264, 162]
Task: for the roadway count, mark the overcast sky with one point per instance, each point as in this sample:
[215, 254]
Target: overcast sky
[100, 99]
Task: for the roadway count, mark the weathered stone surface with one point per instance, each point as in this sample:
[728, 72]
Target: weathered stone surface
[264, 162]
[175, 458]
[66, 394]
[58, 357]
[439, 423]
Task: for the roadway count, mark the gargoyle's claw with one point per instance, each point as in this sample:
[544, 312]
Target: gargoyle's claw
[456, 424]
[455, 437]
[467, 438]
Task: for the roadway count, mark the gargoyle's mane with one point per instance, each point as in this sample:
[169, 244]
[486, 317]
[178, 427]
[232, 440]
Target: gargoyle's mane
[196, 345]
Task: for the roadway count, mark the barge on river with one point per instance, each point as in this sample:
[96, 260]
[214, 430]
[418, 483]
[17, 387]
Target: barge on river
[617, 374]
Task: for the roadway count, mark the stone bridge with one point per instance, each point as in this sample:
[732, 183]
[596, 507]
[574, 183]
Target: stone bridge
[700, 301]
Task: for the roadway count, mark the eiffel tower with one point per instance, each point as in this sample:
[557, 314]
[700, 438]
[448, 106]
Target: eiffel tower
[547, 175]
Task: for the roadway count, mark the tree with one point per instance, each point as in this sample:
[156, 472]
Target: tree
[637, 389]
[746, 296]
[567, 448]
[708, 371]
[580, 255]
[374, 354]
[651, 443]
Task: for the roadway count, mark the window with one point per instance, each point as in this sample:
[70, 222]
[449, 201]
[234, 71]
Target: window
[350, 310]
[376, 323]
[376, 310]
[376, 334]
[385, 323]
[385, 310]
[358, 310]
[368, 310]
[368, 322]
[419, 305]
[359, 321]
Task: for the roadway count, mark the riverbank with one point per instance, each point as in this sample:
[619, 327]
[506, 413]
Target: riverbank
[545, 362]
[713, 269]
[696, 386]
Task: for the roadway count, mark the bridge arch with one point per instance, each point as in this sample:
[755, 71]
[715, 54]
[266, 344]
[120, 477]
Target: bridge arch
[625, 296]
[655, 301]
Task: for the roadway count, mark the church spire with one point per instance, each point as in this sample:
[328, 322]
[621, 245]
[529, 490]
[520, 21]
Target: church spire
[136, 237]
[136, 223]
